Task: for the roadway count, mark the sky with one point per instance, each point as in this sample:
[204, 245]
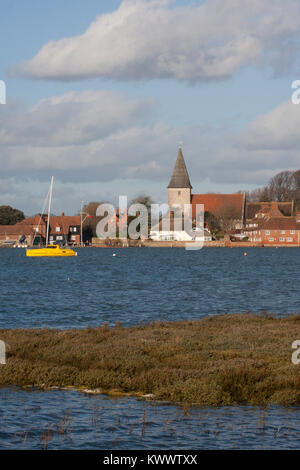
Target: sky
[101, 93]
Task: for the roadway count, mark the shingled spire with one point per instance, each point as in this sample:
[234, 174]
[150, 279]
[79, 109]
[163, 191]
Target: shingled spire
[180, 177]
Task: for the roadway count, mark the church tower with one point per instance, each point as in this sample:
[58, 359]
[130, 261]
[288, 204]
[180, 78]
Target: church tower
[179, 189]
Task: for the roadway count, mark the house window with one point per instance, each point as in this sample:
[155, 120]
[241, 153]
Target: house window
[74, 229]
[73, 237]
[283, 232]
[57, 229]
[292, 232]
[59, 237]
[267, 232]
[51, 237]
[281, 239]
[289, 239]
[271, 239]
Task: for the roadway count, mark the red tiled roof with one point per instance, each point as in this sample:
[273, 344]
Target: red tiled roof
[17, 230]
[280, 223]
[26, 227]
[64, 222]
[218, 203]
[272, 208]
[276, 223]
[33, 220]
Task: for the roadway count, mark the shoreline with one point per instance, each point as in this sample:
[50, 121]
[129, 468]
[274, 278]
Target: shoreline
[184, 244]
[216, 361]
[173, 244]
[224, 243]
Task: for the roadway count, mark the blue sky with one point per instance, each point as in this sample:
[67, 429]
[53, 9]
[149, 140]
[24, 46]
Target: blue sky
[219, 80]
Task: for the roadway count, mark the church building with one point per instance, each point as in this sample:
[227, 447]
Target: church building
[230, 206]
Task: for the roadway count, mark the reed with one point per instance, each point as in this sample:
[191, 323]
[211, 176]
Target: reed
[220, 360]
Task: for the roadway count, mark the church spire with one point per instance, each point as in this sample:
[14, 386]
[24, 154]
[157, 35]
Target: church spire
[180, 177]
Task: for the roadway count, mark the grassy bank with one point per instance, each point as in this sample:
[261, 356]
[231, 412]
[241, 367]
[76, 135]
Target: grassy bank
[219, 360]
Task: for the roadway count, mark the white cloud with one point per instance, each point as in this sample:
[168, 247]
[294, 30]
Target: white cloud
[70, 119]
[87, 136]
[277, 130]
[269, 144]
[101, 139]
[147, 40]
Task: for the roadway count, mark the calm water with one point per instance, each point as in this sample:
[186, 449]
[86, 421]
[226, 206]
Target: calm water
[140, 285]
[144, 284]
[70, 419]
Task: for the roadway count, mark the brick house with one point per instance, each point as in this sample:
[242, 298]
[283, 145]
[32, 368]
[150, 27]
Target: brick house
[63, 230]
[275, 231]
[261, 210]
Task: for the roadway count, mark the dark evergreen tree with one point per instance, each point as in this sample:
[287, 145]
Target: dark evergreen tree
[10, 216]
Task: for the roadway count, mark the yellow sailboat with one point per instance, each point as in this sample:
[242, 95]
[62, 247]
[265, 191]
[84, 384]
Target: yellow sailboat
[50, 250]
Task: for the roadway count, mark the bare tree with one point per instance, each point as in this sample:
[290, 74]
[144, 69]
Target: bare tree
[143, 199]
[297, 188]
[283, 187]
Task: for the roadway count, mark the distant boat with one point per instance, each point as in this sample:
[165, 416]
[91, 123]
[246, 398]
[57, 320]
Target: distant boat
[50, 250]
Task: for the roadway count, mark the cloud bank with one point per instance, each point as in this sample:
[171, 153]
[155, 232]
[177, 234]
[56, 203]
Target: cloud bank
[155, 40]
[101, 136]
[83, 136]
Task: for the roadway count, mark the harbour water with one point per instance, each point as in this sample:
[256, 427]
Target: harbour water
[71, 420]
[137, 286]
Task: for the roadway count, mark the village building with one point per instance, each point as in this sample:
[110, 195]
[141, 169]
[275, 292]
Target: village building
[256, 211]
[275, 231]
[32, 231]
[172, 229]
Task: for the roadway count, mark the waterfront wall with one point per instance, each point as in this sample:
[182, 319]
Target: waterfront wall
[116, 243]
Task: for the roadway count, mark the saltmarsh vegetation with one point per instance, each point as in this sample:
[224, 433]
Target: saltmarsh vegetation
[220, 360]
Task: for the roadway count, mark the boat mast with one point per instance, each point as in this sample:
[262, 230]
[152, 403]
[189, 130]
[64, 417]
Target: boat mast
[49, 208]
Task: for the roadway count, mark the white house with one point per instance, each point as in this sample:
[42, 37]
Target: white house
[169, 229]
[180, 236]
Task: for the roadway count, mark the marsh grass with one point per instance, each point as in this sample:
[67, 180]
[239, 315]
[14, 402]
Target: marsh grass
[220, 360]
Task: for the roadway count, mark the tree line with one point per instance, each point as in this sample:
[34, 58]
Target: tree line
[283, 187]
[10, 216]
[90, 223]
